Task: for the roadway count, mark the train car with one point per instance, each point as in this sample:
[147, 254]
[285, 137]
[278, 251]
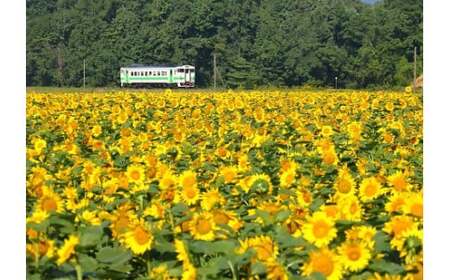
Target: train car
[182, 76]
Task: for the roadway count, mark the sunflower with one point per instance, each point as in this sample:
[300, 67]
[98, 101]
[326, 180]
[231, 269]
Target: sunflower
[96, 130]
[266, 249]
[354, 256]
[189, 190]
[287, 178]
[68, 248]
[276, 271]
[211, 198]
[326, 131]
[50, 202]
[202, 226]
[260, 183]
[350, 208]
[38, 216]
[330, 157]
[135, 174]
[167, 181]
[344, 183]
[395, 203]
[182, 252]
[229, 173]
[370, 188]
[319, 229]
[323, 261]
[414, 205]
[399, 225]
[39, 145]
[139, 238]
[399, 181]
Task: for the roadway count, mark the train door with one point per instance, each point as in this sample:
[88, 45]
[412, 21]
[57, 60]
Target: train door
[170, 76]
[187, 75]
[126, 76]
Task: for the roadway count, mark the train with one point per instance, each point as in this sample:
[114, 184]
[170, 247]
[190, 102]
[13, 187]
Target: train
[182, 76]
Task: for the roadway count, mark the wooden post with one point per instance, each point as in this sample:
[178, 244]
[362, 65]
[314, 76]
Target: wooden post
[415, 69]
[214, 69]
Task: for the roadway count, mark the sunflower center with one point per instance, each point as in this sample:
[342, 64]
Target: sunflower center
[264, 251]
[135, 175]
[321, 229]
[324, 265]
[371, 189]
[417, 209]
[400, 226]
[190, 192]
[141, 235]
[353, 253]
[189, 181]
[49, 204]
[353, 207]
[344, 186]
[220, 218]
[399, 183]
[203, 226]
[229, 176]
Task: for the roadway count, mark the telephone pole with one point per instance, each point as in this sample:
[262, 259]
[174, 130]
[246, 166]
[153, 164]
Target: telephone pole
[214, 70]
[415, 69]
[84, 73]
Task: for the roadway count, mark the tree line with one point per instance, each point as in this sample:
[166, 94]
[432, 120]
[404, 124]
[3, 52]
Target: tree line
[256, 42]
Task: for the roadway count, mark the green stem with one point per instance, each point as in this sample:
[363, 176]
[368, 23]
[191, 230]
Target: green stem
[232, 270]
[79, 272]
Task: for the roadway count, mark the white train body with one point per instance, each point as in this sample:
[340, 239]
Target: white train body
[179, 76]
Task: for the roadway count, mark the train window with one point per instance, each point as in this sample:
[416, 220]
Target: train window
[180, 70]
[159, 73]
[146, 73]
[164, 73]
[132, 73]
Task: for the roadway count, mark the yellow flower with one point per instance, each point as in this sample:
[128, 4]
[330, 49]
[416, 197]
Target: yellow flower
[211, 198]
[370, 189]
[167, 181]
[39, 145]
[326, 131]
[90, 217]
[266, 249]
[354, 256]
[229, 173]
[38, 217]
[96, 130]
[414, 205]
[399, 181]
[323, 261]
[344, 184]
[135, 174]
[189, 190]
[182, 252]
[287, 178]
[67, 250]
[50, 202]
[319, 229]
[202, 226]
[139, 238]
[260, 183]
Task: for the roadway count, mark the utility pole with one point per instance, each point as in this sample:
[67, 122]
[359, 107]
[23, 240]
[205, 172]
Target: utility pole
[415, 69]
[84, 73]
[214, 69]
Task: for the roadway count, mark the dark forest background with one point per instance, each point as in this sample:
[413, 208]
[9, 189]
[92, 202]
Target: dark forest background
[257, 42]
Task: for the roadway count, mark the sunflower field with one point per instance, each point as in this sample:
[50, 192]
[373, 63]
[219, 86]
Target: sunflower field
[270, 184]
